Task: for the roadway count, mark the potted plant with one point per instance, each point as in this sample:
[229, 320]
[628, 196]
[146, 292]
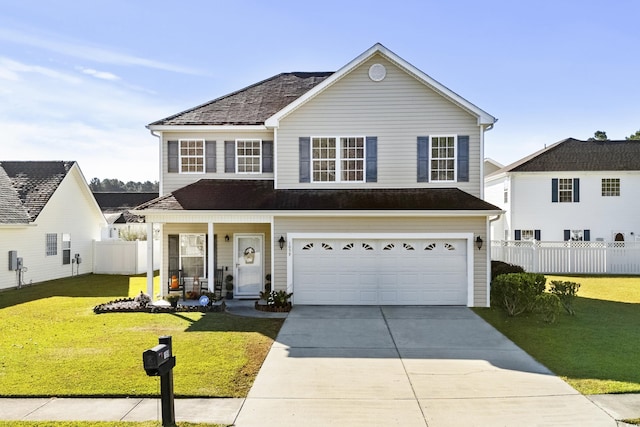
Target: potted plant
[173, 300]
[228, 284]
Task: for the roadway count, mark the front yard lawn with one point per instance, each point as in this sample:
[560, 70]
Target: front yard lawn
[595, 351]
[54, 345]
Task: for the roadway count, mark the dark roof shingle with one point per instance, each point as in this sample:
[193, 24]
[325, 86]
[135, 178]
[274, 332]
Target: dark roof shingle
[249, 106]
[261, 195]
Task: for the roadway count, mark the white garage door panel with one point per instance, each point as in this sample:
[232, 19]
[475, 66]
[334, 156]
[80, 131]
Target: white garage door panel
[371, 272]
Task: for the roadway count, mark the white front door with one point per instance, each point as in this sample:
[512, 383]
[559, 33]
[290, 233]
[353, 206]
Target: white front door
[249, 263]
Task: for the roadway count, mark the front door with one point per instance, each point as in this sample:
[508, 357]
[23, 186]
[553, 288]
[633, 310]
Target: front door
[249, 262]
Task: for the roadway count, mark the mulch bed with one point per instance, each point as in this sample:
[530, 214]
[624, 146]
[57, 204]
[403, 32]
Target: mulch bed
[273, 308]
[129, 305]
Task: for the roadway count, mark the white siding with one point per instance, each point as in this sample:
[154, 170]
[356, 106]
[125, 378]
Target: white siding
[173, 181]
[475, 225]
[70, 210]
[397, 110]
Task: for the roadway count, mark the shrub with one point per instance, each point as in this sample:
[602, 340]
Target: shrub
[501, 267]
[516, 292]
[276, 298]
[566, 293]
[548, 306]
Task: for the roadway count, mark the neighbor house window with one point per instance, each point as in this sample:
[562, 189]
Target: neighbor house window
[565, 190]
[443, 158]
[192, 254]
[248, 156]
[505, 194]
[51, 245]
[192, 155]
[577, 235]
[66, 249]
[527, 235]
[611, 186]
[339, 159]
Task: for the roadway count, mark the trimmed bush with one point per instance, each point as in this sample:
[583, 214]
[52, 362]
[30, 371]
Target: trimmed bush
[566, 293]
[548, 306]
[501, 267]
[516, 292]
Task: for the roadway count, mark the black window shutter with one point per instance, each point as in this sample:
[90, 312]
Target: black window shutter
[210, 156]
[423, 159]
[172, 151]
[267, 156]
[536, 234]
[576, 190]
[230, 156]
[463, 158]
[554, 190]
[174, 252]
[587, 235]
[372, 159]
[567, 235]
[304, 144]
[517, 235]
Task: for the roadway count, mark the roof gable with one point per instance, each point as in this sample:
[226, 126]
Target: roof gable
[575, 155]
[27, 186]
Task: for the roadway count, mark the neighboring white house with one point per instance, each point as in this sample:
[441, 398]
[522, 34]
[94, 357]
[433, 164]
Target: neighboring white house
[122, 224]
[571, 190]
[360, 186]
[48, 221]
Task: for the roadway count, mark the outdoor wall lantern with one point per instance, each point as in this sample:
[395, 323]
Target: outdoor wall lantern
[281, 242]
[226, 238]
[479, 242]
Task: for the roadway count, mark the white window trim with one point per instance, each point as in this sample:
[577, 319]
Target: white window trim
[180, 156]
[180, 254]
[455, 157]
[338, 159]
[561, 190]
[609, 189]
[238, 157]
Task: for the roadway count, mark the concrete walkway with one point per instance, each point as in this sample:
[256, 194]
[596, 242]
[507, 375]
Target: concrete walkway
[374, 366]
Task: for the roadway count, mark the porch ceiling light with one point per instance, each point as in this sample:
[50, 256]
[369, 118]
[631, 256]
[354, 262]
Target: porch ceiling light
[281, 242]
[479, 242]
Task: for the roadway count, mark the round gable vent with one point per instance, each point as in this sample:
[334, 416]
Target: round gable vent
[377, 72]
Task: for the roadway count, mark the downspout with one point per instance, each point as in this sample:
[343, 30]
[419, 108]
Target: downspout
[159, 136]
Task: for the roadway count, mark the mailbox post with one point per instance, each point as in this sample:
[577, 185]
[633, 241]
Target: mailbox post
[159, 361]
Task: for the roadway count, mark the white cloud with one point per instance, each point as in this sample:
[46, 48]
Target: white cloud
[105, 75]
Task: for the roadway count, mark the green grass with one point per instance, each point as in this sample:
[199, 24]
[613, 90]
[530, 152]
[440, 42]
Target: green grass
[54, 345]
[595, 351]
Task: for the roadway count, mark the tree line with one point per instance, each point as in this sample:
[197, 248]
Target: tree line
[601, 135]
[117, 186]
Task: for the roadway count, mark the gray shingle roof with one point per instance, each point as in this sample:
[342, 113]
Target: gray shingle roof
[27, 186]
[575, 155]
[208, 194]
[251, 105]
[116, 205]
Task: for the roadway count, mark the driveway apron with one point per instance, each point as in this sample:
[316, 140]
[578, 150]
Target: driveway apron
[406, 366]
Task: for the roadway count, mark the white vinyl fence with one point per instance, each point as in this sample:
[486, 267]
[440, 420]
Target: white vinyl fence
[123, 257]
[569, 257]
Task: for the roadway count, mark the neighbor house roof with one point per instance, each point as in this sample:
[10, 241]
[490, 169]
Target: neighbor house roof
[257, 195]
[27, 186]
[251, 105]
[575, 155]
[116, 205]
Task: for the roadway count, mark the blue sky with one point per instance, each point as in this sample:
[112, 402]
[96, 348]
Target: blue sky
[80, 80]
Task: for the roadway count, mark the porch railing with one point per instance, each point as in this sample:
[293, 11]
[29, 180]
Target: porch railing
[569, 257]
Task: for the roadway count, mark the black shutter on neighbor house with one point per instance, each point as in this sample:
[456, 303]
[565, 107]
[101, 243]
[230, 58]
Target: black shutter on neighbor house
[372, 159]
[554, 190]
[423, 159]
[576, 190]
[567, 235]
[463, 158]
[304, 144]
[267, 156]
[230, 156]
[172, 152]
[210, 156]
[517, 235]
[587, 235]
[536, 234]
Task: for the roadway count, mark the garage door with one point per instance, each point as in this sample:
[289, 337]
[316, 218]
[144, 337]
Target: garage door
[380, 272]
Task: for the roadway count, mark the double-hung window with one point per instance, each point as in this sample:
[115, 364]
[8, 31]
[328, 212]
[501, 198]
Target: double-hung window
[66, 249]
[565, 190]
[610, 187]
[192, 254]
[248, 156]
[443, 158]
[51, 245]
[338, 159]
[191, 155]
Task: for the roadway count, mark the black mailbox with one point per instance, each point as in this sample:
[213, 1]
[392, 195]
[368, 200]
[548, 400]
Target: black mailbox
[157, 360]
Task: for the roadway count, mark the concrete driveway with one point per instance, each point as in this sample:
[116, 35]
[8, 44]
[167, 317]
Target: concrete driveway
[406, 366]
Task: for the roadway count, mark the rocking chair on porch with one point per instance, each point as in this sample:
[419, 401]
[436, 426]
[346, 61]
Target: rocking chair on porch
[217, 282]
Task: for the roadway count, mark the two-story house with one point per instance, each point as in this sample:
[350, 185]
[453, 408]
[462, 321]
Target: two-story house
[571, 190]
[360, 186]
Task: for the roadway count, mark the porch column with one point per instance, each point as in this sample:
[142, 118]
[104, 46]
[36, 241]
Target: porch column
[210, 258]
[150, 259]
